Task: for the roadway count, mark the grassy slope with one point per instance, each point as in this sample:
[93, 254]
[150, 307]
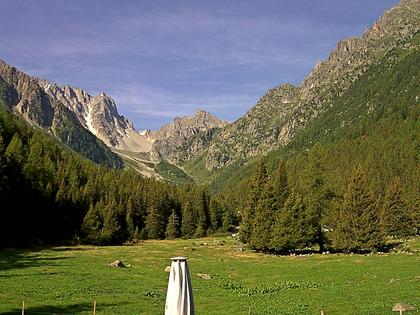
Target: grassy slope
[172, 173]
[66, 280]
[163, 170]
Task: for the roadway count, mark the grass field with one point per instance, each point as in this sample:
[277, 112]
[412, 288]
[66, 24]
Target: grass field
[65, 280]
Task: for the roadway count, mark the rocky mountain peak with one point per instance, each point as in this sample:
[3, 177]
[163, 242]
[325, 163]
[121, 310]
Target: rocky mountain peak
[186, 136]
[202, 114]
[283, 111]
[98, 114]
[185, 125]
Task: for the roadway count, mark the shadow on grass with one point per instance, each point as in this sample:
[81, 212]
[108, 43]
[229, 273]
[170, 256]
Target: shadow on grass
[79, 308]
[395, 244]
[69, 248]
[20, 259]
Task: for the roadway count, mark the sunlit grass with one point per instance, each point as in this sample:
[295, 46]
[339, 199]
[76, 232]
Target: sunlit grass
[68, 279]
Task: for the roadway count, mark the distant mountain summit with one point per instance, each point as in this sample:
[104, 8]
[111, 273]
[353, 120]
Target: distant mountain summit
[185, 137]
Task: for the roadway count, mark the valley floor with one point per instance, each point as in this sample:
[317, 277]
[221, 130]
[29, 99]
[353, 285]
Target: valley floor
[67, 280]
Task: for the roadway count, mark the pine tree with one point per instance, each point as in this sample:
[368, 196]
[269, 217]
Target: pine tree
[155, 227]
[111, 230]
[15, 150]
[129, 221]
[357, 224]
[228, 219]
[189, 217]
[395, 217]
[280, 185]
[263, 219]
[257, 185]
[201, 204]
[316, 194]
[216, 214]
[137, 234]
[173, 226]
[291, 225]
[91, 226]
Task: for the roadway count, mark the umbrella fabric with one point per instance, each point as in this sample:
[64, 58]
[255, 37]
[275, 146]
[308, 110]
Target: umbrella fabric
[179, 298]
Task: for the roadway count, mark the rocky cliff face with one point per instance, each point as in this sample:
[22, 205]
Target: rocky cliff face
[70, 113]
[285, 110]
[22, 94]
[35, 100]
[257, 131]
[26, 96]
[185, 138]
[100, 116]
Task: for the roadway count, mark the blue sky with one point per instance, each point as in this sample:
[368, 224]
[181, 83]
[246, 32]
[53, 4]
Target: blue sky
[161, 59]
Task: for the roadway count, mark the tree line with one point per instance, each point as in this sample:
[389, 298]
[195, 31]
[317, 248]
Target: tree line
[279, 217]
[50, 194]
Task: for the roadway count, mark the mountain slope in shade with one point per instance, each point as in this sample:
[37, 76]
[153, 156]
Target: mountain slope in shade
[23, 95]
[284, 111]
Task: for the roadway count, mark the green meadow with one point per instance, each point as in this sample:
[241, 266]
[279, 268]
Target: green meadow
[65, 280]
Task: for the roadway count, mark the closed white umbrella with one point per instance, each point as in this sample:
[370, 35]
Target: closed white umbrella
[179, 298]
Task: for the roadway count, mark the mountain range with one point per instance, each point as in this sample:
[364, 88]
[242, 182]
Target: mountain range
[201, 147]
[70, 113]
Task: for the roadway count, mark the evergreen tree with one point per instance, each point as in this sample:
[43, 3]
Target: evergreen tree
[129, 221]
[216, 214]
[357, 227]
[91, 226]
[257, 185]
[229, 219]
[316, 194]
[155, 227]
[137, 234]
[189, 217]
[395, 217]
[15, 150]
[280, 185]
[263, 219]
[173, 226]
[202, 212]
[111, 230]
[291, 225]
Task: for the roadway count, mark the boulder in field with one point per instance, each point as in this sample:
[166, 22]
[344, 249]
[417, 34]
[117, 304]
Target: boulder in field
[402, 307]
[204, 276]
[117, 264]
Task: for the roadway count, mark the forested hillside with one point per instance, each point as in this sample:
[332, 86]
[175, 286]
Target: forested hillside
[376, 154]
[50, 194]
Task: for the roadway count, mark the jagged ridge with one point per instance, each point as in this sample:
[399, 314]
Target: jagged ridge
[185, 137]
[23, 95]
[273, 123]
